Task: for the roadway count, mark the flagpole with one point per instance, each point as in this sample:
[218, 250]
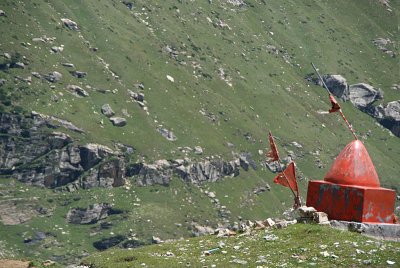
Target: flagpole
[340, 110]
[276, 158]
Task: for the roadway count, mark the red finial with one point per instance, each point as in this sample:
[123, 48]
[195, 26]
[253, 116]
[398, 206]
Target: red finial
[353, 166]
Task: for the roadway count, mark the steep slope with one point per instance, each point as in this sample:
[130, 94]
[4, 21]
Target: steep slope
[218, 74]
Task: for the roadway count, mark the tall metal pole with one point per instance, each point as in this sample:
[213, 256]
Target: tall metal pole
[340, 110]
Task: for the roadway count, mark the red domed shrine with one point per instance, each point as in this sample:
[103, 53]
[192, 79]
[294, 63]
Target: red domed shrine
[351, 189]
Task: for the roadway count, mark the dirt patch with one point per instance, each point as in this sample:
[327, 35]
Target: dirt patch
[14, 263]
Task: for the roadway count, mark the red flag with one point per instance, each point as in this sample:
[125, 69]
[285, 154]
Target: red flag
[287, 178]
[273, 153]
[335, 105]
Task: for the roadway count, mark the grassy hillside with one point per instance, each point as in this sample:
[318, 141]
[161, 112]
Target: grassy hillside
[300, 245]
[244, 67]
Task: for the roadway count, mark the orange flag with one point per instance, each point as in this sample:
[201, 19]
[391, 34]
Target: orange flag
[287, 177]
[273, 153]
[335, 105]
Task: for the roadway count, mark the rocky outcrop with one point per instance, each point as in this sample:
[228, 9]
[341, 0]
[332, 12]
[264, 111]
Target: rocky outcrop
[36, 156]
[162, 171]
[52, 160]
[89, 215]
[362, 96]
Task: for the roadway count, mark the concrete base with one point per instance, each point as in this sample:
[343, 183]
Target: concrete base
[382, 231]
[352, 203]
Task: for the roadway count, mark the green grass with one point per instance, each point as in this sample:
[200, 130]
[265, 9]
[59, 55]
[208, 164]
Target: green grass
[267, 93]
[299, 245]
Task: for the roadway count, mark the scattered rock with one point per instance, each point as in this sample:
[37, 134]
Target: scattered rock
[238, 261]
[382, 44]
[199, 230]
[262, 188]
[67, 64]
[89, 215]
[36, 74]
[239, 3]
[307, 212]
[128, 4]
[72, 25]
[56, 49]
[271, 237]
[53, 77]
[77, 90]
[269, 222]
[320, 217]
[78, 74]
[2, 82]
[156, 240]
[169, 135]
[107, 110]
[7, 55]
[118, 121]
[198, 150]
[170, 78]
[19, 65]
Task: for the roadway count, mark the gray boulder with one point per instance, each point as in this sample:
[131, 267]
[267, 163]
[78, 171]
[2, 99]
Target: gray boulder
[2, 82]
[362, 95]
[72, 25]
[169, 135]
[118, 121]
[89, 215]
[53, 77]
[2, 13]
[337, 85]
[78, 91]
[107, 110]
[78, 74]
[392, 110]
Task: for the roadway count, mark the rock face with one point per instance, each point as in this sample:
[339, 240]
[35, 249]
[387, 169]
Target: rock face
[54, 160]
[362, 95]
[89, 215]
[161, 172]
[33, 156]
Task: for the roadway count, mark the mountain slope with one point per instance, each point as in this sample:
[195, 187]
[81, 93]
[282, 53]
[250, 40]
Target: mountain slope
[234, 73]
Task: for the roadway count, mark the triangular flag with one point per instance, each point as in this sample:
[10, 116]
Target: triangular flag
[335, 105]
[273, 153]
[287, 177]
